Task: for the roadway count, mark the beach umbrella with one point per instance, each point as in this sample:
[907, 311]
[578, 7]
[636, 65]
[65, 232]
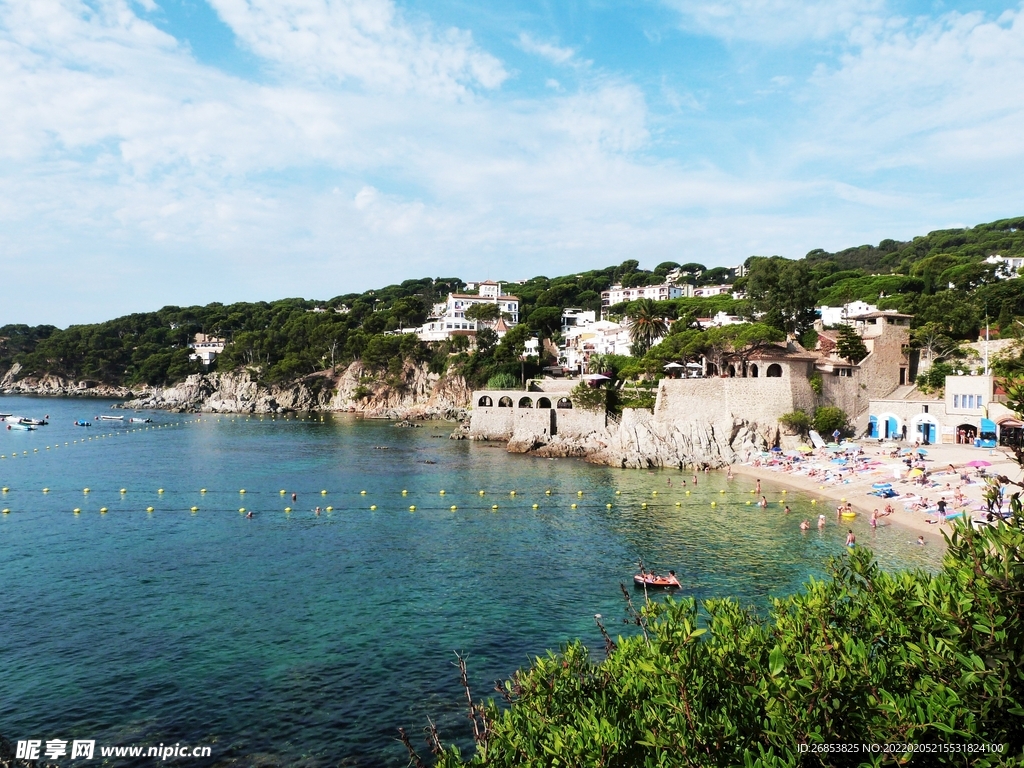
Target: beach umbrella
[673, 365]
[596, 377]
[776, 449]
[805, 449]
[915, 473]
[979, 463]
[922, 452]
[838, 461]
[905, 451]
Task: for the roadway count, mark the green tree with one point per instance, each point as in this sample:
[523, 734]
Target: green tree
[646, 325]
[483, 312]
[782, 292]
[828, 418]
[850, 346]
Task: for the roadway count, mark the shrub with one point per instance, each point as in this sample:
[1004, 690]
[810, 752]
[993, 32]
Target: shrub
[797, 421]
[503, 381]
[827, 419]
[589, 398]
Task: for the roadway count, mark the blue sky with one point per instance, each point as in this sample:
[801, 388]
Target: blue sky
[184, 151]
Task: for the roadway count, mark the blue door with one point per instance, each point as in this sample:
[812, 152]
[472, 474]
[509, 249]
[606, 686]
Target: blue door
[890, 428]
[872, 426]
[927, 432]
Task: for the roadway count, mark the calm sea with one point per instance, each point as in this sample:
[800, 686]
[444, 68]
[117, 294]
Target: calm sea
[293, 639]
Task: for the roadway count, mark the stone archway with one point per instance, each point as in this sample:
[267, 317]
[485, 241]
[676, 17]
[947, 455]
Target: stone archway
[525, 402]
[485, 402]
[564, 402]
[505, 402]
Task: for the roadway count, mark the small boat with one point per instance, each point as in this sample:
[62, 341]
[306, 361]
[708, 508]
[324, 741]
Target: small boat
[652, 581]
[81, 423]
[35, 422]
[23, 427]
[13, 419]
[110, 418]
[138, 420]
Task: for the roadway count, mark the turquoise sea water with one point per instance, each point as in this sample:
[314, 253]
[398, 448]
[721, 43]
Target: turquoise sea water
[294, 639]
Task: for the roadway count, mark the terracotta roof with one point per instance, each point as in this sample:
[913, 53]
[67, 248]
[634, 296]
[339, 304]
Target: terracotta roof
[501, 325]
[780, 353]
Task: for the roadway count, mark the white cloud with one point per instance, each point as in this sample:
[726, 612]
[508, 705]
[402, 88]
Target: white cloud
[366, 41]
[927, 93]
[774, 21]
[549, 51]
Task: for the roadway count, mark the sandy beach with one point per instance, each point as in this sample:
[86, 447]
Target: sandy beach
[854, 486]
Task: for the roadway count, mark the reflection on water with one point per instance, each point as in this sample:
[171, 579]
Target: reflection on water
[297, 638]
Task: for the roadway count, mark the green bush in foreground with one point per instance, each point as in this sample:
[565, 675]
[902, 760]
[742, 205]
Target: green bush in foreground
[862, 657]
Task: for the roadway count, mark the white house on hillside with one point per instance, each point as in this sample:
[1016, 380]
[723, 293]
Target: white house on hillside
[449, 319]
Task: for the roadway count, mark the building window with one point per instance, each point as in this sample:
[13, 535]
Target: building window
[979, 401]
[970, 401]
[956, 401]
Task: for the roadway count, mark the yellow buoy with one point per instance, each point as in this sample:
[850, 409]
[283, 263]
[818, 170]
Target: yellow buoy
[412, 508]
[149, 509]
[202, 490]
[783, 490]
[654, 493]
[814, 501]
[494, 506]
[574, 506]
[124, 490]
[644, 505]
[46, 490]
[753, 491]
[481, 493]
[5, 489]
[536, 506]
[361, 493]
[373, 507]
[618, 493]
[282, 492]
[722, 491]
[609, 506]
[103, 510]
[323, 493]
[242, 490]
[77, 511]
[287, 509]
[748, 503]
[405, 493]
[7, 511]
[195, 509]
[454, 507]
[85, 490]
[714, 503]
[843, 499]
[687, 493]
[579, 493]
[547, 492]
[679, 504]
[330, 509]
[241, 510]
[442, 491]
[159, 490]
[511, 493]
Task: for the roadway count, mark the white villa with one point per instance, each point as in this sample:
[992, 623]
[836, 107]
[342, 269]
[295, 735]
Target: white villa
[617, 294]
[206, 348]
[449, 319]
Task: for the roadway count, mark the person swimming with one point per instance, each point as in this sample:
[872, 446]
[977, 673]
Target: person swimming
[851, 540]
[920, 540]
[821, 521]
[805, 525]
[787, 510]
[763, 503]
[249, 515]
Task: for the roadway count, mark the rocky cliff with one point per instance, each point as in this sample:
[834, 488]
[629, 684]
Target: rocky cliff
[11, 383]
[641, 441]
[414, 392]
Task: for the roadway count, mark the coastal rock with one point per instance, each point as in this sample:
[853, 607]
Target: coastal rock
[57, 386]
[411, 393]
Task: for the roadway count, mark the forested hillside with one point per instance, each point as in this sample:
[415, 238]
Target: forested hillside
[942, 278]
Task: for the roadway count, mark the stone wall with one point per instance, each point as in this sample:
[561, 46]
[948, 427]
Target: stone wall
[761, 400]
[530, 413]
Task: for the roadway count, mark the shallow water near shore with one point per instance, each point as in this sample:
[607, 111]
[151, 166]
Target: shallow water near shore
[295, 639]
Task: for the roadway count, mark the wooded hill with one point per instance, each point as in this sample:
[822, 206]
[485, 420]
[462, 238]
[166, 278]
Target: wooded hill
[942, 278]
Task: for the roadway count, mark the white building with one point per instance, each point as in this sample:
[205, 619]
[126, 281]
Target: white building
[617, 294]
[841, 315]
[449, 319]
[573, 317]
[1009, 265]
[206, 348]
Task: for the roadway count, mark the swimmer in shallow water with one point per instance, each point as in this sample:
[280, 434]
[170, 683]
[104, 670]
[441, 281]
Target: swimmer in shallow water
[821, 521]
[920, 540]
[851, 540]
[787, 510]
[805, 525]
[763, 503]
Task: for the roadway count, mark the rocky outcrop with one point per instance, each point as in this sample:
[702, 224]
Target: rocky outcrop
[411, 393]
[57, 386]
[641, 441]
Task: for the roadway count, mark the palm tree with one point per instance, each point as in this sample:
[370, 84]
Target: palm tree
[646, 326]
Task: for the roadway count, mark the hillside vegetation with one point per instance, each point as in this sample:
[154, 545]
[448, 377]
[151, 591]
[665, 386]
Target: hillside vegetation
[941, 278]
